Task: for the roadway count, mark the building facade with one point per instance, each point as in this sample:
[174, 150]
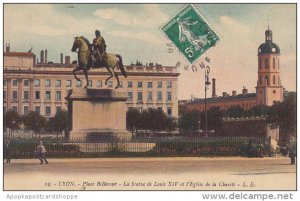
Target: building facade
[42, 87]
[253, 126]
[245, 100]
[268, 89]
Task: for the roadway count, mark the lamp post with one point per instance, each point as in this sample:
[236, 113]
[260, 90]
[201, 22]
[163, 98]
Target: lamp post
[199, 127]
[14, 125]
[207, 83]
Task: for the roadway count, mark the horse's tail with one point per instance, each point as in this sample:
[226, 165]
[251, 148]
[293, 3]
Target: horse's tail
[121, 65]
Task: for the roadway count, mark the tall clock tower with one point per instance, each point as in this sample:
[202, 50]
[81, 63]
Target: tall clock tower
[269, 88]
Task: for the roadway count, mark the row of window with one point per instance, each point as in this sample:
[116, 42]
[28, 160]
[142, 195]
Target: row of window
[37, 95]
[226, 106]
[149, 84]
[58, 95]
[58, 83]
[37, 83]
[149, 96]
[266, 62]
[37, 109]
[266, 80]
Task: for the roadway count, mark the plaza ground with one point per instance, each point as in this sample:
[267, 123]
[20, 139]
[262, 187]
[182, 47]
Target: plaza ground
[172, 173]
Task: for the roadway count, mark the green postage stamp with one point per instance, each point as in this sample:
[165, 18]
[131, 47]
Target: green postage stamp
[191, 33]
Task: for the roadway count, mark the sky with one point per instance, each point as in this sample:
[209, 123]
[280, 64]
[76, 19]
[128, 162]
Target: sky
[133, 30]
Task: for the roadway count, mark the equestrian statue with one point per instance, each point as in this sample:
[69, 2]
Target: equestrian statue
[95, 56]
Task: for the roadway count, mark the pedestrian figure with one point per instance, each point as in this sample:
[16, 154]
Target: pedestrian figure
[250, 149]
[7, 151]
[42, 153]
[260, 150]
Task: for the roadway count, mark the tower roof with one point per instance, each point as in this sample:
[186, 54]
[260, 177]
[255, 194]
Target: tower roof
[268, 47]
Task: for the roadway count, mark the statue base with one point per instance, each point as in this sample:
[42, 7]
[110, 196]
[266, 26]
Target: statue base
[97, 114]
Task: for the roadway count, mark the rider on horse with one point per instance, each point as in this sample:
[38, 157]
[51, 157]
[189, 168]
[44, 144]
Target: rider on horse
[99, 49]
[96, 58]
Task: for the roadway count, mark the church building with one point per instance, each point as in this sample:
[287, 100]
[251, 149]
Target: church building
[268, 87]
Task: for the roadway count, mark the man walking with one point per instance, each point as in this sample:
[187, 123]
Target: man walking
[7, 150]
[42, 153]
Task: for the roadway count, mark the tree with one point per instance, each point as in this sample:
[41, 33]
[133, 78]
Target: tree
[150, 120]
[11, 121]
[59, 122]
[155, 120]
[284, 114]
[257, 111]
[235, 111]
[214, 118]
[34, 121]
[133, 118]
[189, 121]
[171, 124]
[146, 122]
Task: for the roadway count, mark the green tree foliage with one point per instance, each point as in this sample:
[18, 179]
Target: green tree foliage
[214, 118]
[257, 111]
[284, 114]
[171, 124]
[59, 122]
[133, 119]
[235, 111]
[155, 120]
[34, 121]
[189, 121]
[151, 120]
[12, 120]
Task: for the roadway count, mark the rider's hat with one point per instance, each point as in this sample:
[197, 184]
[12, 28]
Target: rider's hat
[97, 33]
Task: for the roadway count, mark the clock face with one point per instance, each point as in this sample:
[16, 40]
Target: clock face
[273, 49]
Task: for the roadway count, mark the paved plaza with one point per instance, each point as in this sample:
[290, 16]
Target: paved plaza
[172, 173]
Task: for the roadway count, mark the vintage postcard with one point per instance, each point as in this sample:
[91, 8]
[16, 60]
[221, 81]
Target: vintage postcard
[185, 97]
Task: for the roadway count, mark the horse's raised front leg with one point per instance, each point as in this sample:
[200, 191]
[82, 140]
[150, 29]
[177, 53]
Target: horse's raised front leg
[111, 75]
[86, 77]
[118, 81]
[78, 68]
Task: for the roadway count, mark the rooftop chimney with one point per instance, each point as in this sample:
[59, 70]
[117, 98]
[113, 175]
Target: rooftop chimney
[7, 45]
[46, 54]
[245, 91]
[233, 93]
[42, 56]
[34, 59]
[61, 58]
[67, 60]
[214, 88]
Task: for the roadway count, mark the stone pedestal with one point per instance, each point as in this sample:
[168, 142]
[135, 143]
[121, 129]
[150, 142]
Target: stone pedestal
[97, 114]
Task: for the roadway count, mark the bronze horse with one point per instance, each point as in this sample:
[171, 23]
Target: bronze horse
[85, 61]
